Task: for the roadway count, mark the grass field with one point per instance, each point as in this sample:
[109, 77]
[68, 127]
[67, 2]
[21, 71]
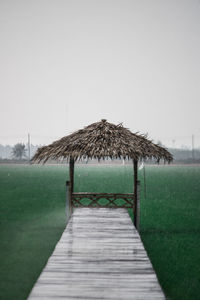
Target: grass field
[32, 207]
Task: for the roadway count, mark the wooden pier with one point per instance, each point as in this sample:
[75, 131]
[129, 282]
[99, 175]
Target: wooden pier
[99, 256]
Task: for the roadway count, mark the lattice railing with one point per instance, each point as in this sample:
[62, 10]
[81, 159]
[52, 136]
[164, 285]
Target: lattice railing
[102, 200]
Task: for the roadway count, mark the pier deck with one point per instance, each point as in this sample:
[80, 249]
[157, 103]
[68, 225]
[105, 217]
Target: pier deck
[99, 256]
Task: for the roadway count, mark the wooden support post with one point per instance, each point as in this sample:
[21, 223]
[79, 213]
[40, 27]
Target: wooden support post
[138, 207]
[71, 185]
[68, 203]
[71, 173]
[135, 167]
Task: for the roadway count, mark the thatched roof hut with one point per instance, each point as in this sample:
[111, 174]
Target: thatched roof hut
[102, 140]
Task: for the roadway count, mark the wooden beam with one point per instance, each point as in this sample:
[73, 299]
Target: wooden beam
[68, 203]
[71, 185]
[138, 207]
[71, 173]
[135, 168]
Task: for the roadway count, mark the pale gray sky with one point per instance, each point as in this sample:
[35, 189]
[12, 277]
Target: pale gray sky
[65, 64]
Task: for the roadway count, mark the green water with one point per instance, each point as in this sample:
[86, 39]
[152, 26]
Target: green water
[32, 202]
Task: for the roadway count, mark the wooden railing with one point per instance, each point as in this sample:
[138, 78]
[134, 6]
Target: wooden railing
[112, 200]
[102, 200]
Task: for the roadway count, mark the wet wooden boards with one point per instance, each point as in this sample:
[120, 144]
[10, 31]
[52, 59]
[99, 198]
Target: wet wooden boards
[99, 256]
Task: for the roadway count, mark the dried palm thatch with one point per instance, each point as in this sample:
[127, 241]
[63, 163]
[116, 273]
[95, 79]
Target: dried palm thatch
[102, 140]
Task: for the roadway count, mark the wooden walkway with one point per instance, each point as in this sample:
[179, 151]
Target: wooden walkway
[99, 256]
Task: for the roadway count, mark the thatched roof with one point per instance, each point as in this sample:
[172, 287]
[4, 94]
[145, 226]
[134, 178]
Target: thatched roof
[102, 140]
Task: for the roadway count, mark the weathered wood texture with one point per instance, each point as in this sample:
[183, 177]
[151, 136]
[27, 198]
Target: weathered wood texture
[99, 256]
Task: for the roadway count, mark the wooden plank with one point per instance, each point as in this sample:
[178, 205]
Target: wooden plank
[99, 256]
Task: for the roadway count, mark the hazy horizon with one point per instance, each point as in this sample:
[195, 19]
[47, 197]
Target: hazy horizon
[66, 64]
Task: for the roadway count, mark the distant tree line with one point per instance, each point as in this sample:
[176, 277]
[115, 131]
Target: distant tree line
[185, 155]
[19, 152]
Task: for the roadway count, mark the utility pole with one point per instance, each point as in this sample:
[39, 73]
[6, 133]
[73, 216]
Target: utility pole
[173, 143]
[193, 147]
[29, 149]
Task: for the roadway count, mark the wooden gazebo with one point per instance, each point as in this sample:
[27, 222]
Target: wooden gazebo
[103, 140]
